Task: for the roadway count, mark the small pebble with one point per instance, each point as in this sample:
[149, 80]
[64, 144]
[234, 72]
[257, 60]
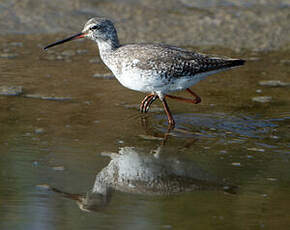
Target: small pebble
[285, 61]
[59, 57]
[39, 131]
[58, 168]
[17, 44]
[256, 149]
[49, 57]
[254, 59]
[79, 51]
[226, 187]
[274, 83]
[95, 60]
[262, 99]
[104, 76]
[68, 53]
[43, 186]
[87, 102]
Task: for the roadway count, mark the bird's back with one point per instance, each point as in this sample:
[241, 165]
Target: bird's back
[171, 60]
[177, 68]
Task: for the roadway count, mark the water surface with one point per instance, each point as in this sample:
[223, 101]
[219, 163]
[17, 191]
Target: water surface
[77, 154]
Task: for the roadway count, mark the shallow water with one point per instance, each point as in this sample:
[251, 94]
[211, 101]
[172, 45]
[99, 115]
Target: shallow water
[76, 153]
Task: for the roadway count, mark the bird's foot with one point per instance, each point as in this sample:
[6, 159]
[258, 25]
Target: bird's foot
[146, 103]
[197, 100]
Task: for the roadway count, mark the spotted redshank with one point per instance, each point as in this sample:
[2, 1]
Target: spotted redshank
[157, 69]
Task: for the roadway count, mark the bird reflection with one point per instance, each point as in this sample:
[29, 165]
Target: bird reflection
[136, 171]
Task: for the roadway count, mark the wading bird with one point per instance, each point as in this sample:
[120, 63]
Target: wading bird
[156, 69]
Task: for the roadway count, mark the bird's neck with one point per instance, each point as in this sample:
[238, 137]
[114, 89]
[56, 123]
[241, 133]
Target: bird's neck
[106, 50]
[108, 46]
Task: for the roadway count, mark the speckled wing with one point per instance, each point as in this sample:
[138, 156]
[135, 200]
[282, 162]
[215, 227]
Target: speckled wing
[175, 62]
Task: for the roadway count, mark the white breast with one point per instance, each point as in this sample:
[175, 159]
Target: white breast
[142, 80]
[137, 79]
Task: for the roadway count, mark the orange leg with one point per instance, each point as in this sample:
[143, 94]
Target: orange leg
[171, 121]
[149, 99]
[196, 100]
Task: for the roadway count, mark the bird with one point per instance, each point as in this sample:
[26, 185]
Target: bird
[154, 68]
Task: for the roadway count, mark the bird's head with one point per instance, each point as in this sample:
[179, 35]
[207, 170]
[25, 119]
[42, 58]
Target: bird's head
[97, 29]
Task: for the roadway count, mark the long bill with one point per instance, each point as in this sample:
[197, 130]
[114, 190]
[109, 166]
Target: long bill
[76, 36]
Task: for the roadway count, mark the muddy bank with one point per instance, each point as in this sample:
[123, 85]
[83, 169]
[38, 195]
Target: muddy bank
[259, 25]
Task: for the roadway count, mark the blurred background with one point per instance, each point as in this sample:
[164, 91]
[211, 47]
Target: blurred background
[253, 24]
[75, 153]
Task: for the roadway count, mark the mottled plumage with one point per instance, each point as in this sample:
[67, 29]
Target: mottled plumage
[162, 68]
[171, 61]
[154, 68]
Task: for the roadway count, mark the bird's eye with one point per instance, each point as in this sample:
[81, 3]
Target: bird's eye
[96, 27]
